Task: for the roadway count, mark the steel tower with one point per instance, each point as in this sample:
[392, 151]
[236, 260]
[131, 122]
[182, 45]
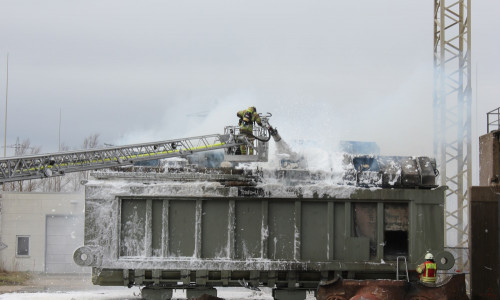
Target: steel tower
[452, 117]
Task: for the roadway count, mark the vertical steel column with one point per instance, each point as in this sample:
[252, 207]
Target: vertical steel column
[347, 224]
[148, 240]
[331, 231]
[380, 231]
[298, 230]
[197, 231]
[231, 227]
[116, 235]
[165, 238]
[264, 239]
[452, 116]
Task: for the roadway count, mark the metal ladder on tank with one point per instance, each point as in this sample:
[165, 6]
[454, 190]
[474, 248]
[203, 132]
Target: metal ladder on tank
[406, 268]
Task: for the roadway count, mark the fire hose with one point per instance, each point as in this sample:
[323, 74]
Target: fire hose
[272, 133]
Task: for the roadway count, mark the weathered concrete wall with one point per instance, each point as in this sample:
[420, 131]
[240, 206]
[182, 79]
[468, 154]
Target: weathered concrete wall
[489, 159]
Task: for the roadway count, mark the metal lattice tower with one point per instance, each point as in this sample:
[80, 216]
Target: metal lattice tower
[452, 117]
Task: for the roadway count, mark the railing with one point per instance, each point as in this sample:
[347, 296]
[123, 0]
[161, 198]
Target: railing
[493, 120]
[57, 164]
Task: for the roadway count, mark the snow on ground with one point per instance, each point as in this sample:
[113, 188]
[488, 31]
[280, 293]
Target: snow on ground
[75, 295]
[123, 293]
[79, 287]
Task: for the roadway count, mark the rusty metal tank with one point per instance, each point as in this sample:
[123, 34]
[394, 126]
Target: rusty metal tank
[197, 229]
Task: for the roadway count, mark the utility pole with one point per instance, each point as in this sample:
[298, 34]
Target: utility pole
[6, 93]
[59, 137]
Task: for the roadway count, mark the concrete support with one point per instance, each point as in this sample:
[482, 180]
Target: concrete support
[156, 294]
[289, 294]
[194, 293]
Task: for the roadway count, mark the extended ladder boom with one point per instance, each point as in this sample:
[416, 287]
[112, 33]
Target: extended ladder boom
[57, 164]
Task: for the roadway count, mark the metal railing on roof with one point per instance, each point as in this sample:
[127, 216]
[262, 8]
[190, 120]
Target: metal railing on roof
[493, 120]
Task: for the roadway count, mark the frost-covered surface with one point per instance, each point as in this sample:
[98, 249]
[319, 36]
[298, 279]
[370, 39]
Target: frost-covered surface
[120, 208]
[109, 294]
[134, 293]
[109, 190]
[184, 263]
[317, 190]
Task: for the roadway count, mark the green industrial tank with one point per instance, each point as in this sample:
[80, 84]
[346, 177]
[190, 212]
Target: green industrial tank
[289, 229]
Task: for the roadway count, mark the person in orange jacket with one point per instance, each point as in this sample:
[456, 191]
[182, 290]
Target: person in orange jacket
[427, 270]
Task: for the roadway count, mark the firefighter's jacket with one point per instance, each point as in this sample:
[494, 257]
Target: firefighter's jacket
[247, 119]
[427, 271]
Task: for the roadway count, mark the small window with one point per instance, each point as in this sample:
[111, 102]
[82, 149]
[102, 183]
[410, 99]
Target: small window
[23, 246]
[396, 224]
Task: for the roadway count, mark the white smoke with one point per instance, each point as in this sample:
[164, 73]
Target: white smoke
[399, 122]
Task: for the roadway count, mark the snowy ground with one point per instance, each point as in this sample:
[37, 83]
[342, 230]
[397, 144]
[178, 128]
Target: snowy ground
[129, 294]
[79, 287]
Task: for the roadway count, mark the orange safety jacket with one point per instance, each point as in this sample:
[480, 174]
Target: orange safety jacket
[428, 271]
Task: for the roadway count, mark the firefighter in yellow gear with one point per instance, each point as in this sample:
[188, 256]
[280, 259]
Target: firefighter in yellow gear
[427, 270]
[247, 118]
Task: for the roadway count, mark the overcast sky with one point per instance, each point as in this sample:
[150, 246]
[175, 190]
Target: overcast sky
[140, 71]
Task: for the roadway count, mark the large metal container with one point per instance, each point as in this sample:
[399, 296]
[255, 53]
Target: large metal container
[168, 232]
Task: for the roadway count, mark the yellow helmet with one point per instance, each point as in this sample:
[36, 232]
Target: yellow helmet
[252, 109]
[429, 256]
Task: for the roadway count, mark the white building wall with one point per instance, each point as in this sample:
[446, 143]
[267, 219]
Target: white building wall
[25, 214]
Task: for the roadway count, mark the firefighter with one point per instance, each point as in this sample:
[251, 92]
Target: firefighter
[247, 118]
[427, 270]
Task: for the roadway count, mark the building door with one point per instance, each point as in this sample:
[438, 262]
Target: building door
[64, 235]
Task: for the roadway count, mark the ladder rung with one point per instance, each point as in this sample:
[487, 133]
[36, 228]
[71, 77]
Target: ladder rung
[406, 268]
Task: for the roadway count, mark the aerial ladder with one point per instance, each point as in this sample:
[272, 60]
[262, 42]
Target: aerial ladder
[59, 163]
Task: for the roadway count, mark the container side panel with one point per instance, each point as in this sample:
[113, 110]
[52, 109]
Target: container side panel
[182, 218]
[101, 226]
[133, 227]
[214, 229]
[314, 234]
[432, 226]
[157, 221]
[339, 237]
[281, 229]
[426, 228]
[92, 213]
[365, 223]
[248, 230]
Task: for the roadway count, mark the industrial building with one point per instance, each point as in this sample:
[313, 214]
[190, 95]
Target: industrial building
[40, 231]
